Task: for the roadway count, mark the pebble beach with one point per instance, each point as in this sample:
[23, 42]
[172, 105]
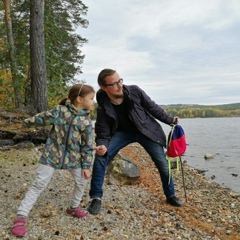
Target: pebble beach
[133, 212]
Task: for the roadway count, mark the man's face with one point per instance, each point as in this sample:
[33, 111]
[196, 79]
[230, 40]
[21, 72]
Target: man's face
[113, 86]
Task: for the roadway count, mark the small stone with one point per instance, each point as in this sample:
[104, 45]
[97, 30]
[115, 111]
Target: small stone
[228, 232]
[208, 156]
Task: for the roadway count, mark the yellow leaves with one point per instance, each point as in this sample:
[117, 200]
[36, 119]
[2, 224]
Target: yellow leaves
[5, 75]
[48, 212]
[6, 92]
[54, 212]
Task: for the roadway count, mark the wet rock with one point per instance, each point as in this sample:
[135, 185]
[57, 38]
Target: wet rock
[208, 156]
[6, 142]
[24, 144]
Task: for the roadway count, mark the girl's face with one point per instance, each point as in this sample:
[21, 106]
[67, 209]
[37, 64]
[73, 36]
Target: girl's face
[87, 102]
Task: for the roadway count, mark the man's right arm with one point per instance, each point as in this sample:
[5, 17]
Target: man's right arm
[102, 128]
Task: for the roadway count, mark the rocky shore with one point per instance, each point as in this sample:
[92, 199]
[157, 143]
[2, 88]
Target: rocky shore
[128, 212]
[132, 212]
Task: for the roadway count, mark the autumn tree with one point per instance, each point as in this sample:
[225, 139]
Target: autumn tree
[62, 46]
[11, 51]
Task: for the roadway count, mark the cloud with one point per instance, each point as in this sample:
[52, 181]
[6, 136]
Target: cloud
[177, 51]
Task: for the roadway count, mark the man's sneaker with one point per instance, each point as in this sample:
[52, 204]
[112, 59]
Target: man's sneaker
[174, 201]
[77, 212]
[19, 227]
[95, 206]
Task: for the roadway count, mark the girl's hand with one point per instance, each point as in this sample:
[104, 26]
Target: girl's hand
[86, 173]
[100, 150]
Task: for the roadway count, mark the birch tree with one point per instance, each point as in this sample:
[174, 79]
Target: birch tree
[13, 63]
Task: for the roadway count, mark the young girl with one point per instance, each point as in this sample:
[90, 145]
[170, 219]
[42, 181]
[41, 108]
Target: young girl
[68, 146]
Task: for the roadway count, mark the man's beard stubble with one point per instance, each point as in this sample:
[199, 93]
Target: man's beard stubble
[118, 96]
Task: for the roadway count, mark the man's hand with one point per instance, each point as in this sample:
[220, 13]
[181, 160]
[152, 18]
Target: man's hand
[175, 120]
[100, 150]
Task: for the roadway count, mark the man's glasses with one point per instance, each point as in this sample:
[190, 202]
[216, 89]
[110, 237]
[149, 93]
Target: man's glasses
[115, 84]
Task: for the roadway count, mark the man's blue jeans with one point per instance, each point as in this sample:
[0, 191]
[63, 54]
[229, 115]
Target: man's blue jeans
[119, 140]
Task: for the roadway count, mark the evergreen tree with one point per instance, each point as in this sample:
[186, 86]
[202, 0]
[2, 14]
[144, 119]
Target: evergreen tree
[62, 44]
[38, 58]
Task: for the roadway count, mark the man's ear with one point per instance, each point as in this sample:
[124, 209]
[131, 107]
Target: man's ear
[103, 87]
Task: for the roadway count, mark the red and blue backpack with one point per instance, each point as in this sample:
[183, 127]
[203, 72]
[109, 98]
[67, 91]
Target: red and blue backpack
[176, 145]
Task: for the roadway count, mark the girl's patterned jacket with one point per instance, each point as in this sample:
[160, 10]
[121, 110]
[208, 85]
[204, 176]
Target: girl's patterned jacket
[70, 141]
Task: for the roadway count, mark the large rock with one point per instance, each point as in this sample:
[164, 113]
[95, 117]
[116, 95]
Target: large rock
[122, 171]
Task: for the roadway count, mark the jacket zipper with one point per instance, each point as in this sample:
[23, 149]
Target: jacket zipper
[65, 152]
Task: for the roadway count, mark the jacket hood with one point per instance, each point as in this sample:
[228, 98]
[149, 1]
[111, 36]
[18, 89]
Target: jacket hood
[100, 96]
[74, 110]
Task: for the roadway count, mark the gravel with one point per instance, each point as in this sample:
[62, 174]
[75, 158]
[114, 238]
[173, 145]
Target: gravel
[133, 212]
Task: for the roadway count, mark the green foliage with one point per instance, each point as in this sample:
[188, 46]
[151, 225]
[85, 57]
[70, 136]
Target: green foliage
[203, 111]
[63, 44]
[93, 113]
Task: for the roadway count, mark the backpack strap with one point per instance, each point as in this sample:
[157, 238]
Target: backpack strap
[170, 135]
[170, 166]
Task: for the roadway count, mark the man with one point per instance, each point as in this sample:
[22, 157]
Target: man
[126, 114]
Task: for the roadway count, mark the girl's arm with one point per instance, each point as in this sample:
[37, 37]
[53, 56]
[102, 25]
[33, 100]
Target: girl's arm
[41, 119]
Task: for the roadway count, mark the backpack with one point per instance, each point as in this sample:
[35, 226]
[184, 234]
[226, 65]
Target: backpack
[176, 146]
[176, 143]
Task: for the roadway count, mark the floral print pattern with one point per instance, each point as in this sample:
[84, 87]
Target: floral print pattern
[71, 140]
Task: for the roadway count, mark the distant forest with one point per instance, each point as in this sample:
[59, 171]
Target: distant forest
[203, 111]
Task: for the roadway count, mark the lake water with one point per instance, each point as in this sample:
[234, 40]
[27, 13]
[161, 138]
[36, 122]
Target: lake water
[219, 137]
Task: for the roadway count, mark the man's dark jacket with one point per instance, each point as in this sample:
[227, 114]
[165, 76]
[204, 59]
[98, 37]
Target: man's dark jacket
[142, 111]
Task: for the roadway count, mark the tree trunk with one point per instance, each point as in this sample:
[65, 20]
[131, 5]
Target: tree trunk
[16, 84]
[38, 57]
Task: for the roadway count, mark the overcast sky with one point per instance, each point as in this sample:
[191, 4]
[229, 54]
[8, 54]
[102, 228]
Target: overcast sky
[177, 51]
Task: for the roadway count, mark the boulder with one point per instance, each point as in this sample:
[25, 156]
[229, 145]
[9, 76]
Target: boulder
[122, 171]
